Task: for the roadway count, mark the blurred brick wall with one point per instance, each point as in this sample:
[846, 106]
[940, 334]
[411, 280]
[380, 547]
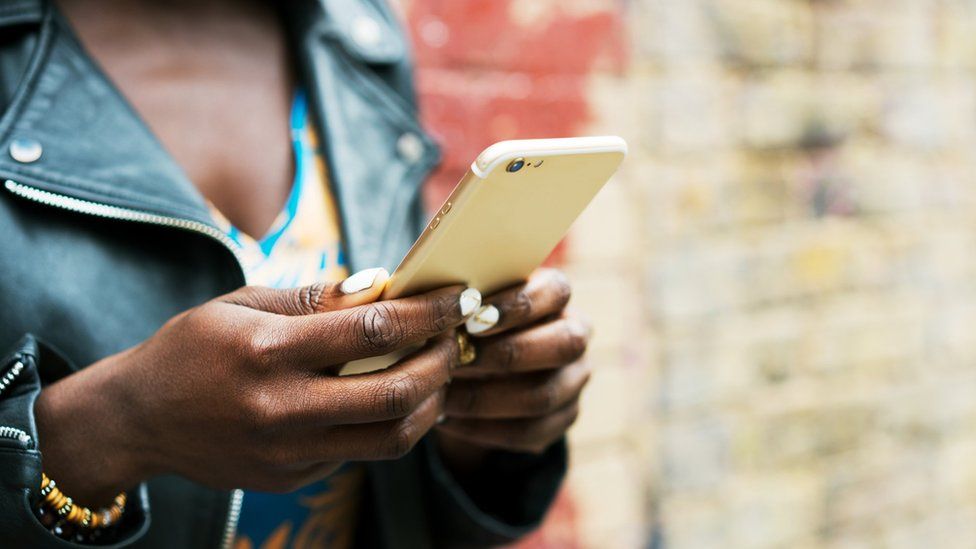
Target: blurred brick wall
[782, 277]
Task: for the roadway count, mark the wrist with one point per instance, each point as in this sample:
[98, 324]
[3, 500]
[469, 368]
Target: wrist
[85, 437]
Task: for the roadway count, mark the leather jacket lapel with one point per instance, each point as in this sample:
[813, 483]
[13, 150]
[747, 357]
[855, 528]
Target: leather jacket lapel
[378, 155]
[95, 147]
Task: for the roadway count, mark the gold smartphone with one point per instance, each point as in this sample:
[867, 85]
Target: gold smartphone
[507, 214]
[503, 219]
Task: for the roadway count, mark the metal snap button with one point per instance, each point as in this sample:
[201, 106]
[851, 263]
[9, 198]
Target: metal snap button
[25, 150]
[410, 147]
[366, 31]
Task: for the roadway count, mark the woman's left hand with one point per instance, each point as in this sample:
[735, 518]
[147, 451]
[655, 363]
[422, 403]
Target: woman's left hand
[521, 392]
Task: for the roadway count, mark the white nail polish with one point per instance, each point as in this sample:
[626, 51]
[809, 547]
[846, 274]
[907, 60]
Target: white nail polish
[470, 301]
[360, 281]
[482, 321]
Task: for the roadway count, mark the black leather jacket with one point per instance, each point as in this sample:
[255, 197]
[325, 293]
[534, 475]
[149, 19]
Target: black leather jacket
[103, 238]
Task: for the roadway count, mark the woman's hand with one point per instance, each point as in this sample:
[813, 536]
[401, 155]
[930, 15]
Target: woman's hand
[241, 391]
[521, 393]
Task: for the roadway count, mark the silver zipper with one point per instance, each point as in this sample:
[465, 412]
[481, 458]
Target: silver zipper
[13, 433]
[125, 214]
[12, 374]
[233, 516]
[7, 432]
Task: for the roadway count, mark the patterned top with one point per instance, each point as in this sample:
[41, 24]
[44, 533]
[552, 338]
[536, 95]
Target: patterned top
[302, 247]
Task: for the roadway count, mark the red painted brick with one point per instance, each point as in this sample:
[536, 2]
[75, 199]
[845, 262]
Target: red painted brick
[488, 34]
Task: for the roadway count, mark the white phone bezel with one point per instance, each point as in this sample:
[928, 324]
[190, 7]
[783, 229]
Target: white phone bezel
[506, 151]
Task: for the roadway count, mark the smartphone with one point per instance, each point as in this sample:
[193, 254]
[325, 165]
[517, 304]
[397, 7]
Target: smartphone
[507, 214]
[503, 219]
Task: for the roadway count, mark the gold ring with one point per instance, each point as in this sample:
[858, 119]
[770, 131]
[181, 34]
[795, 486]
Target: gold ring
[466, 351]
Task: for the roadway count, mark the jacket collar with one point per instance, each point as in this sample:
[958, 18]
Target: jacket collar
[362, 94]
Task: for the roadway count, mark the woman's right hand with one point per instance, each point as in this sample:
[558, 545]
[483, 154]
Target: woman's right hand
[243, 391]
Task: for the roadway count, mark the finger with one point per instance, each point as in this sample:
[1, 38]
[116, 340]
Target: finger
[546, 293]
[360, 288]
[531, 395]
[377, 396]
[385, 440]
[544, 347]
[374, 329]
[520, 435]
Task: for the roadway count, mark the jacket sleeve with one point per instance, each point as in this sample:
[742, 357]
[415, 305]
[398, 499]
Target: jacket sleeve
[508, 500]
[20, 461]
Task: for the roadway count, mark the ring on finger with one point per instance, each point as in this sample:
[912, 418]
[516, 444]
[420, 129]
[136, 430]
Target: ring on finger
[466, 351]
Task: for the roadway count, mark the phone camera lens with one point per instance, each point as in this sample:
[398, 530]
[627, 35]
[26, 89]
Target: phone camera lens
[516, 165]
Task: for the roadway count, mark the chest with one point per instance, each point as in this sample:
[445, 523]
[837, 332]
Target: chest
[215, 86]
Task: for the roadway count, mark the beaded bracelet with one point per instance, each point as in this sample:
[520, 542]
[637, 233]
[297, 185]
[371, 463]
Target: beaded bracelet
[67, 520]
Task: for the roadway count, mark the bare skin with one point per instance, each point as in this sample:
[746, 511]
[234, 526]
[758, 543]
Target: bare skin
[259, 364]
[212, 79]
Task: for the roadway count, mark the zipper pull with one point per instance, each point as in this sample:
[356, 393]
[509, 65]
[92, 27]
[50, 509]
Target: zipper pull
[12, 374]
[19, 436]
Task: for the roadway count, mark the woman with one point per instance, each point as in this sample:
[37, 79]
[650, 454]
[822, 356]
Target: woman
[187, 187]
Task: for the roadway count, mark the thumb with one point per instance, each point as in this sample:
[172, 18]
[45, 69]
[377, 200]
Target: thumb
[358, 289]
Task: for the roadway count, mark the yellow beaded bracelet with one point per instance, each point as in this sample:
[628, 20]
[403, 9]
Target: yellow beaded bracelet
[55, 501]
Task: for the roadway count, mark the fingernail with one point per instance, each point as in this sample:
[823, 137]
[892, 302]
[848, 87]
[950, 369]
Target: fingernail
[482, 321]
[360, 281]
[581, 328]
[441, 418]
[470, 301]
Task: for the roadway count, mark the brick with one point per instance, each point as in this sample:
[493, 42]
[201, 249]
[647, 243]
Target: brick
[956, 36]
[693, 521]
[906, 35]
[845, 33]
[616, 521]
[610, 405]
[774, 510]
[893, 35]
[695, 454]
[776, 112]
[694, 110]
[764, 32]
[675, 34]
